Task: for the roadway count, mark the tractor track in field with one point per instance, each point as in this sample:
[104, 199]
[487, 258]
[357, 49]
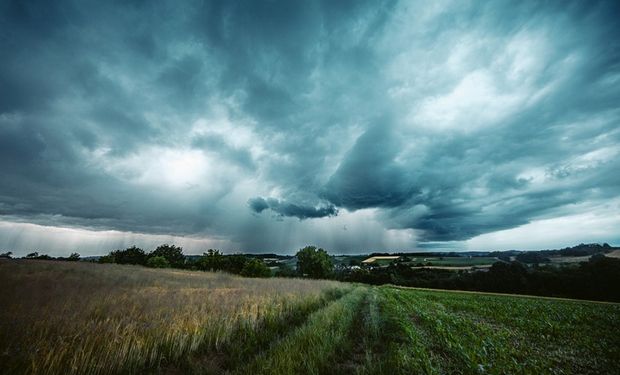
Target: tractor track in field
[227, 359]
[311, 348]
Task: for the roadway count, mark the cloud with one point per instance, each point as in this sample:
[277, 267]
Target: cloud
[435, 123]
[284, 208]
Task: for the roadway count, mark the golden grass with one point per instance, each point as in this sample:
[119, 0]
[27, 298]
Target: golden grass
[81, 318]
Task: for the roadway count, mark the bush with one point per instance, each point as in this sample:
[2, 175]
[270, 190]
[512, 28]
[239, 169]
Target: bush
[255, 268]
[157, 262]
[210, 261]
[132, 255]
[173, 255]
[286, 271]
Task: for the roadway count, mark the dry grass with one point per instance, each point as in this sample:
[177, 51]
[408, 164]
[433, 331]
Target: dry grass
[58, 317]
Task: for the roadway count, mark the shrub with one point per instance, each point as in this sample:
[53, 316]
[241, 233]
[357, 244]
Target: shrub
[157, 262]
[173, 254]
[132, 255]
[255, 268]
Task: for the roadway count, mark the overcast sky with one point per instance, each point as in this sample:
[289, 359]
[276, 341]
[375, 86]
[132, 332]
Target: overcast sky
[264, 126]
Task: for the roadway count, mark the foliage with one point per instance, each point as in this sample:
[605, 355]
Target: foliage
[314, 263]
[74, 257]
[36, 255]
[598, 279]
[234, 263]
[285, 271]
[157, 262]
[132, 255]
[173, 255]
[210, 261]
[255, 268]
[107, 259]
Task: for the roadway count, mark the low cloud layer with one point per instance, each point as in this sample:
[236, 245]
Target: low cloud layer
[284, 208]
[263, 126]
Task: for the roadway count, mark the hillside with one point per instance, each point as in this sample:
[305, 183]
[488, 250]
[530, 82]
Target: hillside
[61, 317]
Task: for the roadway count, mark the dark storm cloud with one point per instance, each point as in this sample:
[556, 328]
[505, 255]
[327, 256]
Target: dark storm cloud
[284, 208]
[452, 120]
[369, 176]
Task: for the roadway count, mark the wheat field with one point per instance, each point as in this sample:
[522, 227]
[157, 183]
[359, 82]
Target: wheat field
[84, 318]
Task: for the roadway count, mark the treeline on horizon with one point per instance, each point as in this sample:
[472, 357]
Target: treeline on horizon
[582, 249]
[596, 279]
[311, 261]
[529, 273]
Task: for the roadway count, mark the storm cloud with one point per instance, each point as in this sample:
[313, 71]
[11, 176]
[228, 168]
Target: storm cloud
[282, 208]
[265, 126]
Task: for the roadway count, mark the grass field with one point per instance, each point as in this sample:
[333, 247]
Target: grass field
[455, 261]
[62, 318]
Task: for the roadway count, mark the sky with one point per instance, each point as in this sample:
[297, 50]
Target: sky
[265, 126]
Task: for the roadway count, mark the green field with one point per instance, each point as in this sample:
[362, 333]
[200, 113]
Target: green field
[62, 318]
[456, 261]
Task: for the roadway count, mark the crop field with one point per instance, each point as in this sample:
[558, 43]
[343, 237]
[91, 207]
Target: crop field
[81, 318]
[456, 261]
[614, 254]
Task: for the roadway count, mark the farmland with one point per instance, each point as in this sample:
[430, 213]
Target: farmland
[60, 317]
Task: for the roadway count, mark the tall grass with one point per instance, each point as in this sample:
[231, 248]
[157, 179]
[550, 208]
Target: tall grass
[310, 349]
[80, 318]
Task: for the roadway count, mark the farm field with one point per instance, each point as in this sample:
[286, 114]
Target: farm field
[458, 261]
[83, 318]
[440, 262]
[614, 254]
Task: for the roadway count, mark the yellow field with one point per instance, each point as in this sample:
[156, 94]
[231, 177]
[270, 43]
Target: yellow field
[80, 318]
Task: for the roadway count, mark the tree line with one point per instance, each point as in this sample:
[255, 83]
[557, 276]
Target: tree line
[596, 279]
[74, 257]
[312, 262]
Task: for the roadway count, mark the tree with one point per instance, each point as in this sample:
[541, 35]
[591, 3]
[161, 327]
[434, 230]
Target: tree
[210, 261]
[158, 262]
[6, 255]
[32, 255]
[234, 263]
[74, 257]
[173, 254]
[255, 268]
[314, 263]
[132, 255]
